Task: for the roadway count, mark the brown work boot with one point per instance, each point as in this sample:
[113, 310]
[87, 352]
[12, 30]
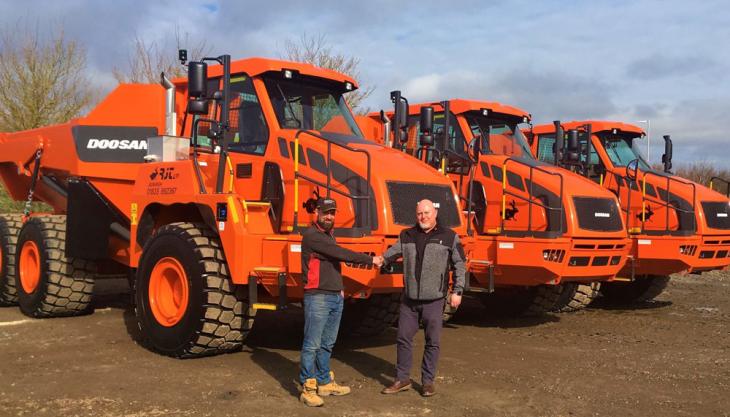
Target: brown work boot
[332, 388]
[397, 386]
[428, 390]
[309, 394]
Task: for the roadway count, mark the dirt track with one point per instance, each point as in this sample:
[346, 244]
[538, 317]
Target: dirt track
[670, 357]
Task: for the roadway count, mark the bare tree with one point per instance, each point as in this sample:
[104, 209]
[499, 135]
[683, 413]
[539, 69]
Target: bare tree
[317, 51]
[148, 60]
[42, 82]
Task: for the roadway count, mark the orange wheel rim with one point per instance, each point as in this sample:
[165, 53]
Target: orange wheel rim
[30, 266]
[168, 291]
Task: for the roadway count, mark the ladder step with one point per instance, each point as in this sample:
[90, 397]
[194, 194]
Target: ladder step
[622, 279]
[264, 306]
[269, 269]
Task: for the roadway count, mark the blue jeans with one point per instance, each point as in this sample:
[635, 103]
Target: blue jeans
[322, 313]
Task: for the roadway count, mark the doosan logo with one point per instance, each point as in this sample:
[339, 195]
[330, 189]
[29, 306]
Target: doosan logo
[123, 144]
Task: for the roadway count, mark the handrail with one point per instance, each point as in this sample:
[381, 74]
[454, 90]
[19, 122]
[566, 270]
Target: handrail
[667, 203]
[530, 193]
[644, 199]
[723, 180]
[328, 185]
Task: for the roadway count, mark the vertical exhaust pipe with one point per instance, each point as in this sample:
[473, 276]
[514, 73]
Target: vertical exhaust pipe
[170, 115]
[386, 128]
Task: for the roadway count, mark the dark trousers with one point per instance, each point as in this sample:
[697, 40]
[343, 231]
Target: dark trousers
[411, 313]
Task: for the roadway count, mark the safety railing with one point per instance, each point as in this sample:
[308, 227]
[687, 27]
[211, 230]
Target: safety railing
[633, 185]
[530, 195]
[328, 184]
[721, 180]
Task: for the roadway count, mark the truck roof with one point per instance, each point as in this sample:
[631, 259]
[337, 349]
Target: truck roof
[596, 126]
[459, 105]
[257, 66]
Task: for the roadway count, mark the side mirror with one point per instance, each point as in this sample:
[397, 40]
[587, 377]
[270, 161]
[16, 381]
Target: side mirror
[559, 142]
[197, 79]
[427, 126]
[402, 122]
[667, 157]
[198, 106]
[632, 169]
[476, 148]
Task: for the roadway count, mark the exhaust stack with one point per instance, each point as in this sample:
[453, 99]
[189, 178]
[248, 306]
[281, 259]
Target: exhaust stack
[386, 128]
[170, 115]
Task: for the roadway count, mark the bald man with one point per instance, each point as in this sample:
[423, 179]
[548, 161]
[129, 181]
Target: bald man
[429, 252]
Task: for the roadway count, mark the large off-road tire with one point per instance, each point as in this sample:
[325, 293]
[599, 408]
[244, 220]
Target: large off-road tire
[371, 316]
[576, 296]
[49, 284]
[522, 302]
[185, 303]
[10, 225]
[642, 289]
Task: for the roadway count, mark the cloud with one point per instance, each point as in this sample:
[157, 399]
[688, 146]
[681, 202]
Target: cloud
[660, 66]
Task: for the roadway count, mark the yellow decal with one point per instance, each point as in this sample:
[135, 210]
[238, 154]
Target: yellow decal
[133, 212]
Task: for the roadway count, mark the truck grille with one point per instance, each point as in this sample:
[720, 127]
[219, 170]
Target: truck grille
[597, 214]
[405, 195]
[717, 214]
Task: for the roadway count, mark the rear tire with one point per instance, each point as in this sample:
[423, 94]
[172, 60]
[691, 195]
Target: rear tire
[642, 289]
[49, 284]
[10, 225]
[576, 296]
[522, 302]
[185, 303]
[371, 316]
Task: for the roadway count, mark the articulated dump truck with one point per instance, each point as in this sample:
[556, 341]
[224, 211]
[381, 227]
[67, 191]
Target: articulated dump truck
[675, 225]
[544, 235]
[200, 188]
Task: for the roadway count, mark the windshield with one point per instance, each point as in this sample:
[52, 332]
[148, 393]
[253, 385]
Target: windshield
[499, 136]
[310, 104]
[621, 151]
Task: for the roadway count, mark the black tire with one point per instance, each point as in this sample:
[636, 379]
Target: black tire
[642, 289]
[214, 320]
[66, 285]
[522, 302]
[10, 225]
[371, 316]
[576, 296]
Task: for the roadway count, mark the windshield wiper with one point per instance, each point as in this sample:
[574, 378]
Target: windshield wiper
[291, 109]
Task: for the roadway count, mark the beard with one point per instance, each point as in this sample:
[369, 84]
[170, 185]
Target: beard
[325, 224]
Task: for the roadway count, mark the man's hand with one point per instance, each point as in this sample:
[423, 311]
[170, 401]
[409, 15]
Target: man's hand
[378, 261]
[455, 300]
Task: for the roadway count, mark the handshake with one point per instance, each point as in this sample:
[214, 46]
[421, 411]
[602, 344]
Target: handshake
[378, 261]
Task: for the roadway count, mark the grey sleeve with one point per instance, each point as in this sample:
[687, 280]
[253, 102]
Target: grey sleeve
[394, 252]
[458, 260]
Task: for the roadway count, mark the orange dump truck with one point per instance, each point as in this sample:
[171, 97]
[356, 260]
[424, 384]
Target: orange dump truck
[200, 188]
[675, 225]
[540, 230]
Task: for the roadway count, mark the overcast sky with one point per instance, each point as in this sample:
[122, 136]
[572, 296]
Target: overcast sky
[665, 61]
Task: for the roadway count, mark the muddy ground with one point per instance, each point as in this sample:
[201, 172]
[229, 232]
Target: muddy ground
[670, 357]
